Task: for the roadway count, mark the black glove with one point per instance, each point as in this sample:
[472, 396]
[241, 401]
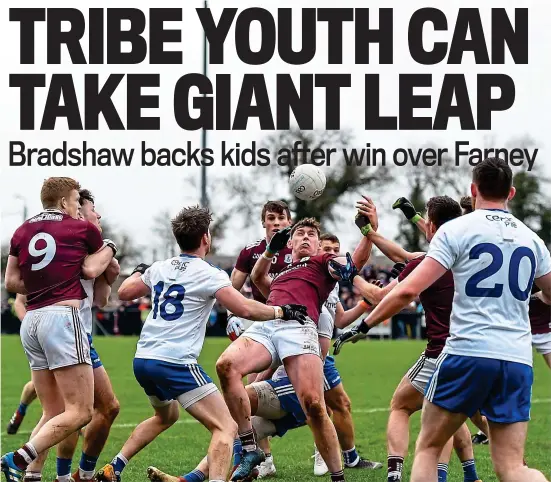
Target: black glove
[397, 269]
[279, 240]
[140, 268]
[111, 244]
[363, 223]
[295, 312]
[407, 208]
[346, 272]
[351, 336]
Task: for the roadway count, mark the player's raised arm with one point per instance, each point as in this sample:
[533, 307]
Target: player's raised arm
[406, 206]
[102, 291]
[234, 301]
[136, 285]
[259, 274]
[97, 262]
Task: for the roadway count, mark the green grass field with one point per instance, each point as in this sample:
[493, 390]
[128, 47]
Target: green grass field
[370, 372]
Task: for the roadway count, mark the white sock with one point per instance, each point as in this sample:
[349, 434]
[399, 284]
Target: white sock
[64, 478]
[85, 474]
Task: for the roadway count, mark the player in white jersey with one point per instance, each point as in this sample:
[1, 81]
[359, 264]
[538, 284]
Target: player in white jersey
[184, 289]
[486, 363]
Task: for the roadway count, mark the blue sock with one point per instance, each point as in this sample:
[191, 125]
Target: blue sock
[194, 476]
[351, 457]
[237, 449]
[88, 462]
[22, 409]
[119, 463]
[442, 472]
[469, 471]
[63, 466]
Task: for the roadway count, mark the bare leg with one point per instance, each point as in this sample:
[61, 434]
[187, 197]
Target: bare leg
[481, 422]
[149, 429]
[264, 444]
[339, 403]
[462, 443]
[405, 402]
[507, 450]
[547, 358]
[437, 427]
[242, 357]
[28, 395]
[213, 413]
[309, 390]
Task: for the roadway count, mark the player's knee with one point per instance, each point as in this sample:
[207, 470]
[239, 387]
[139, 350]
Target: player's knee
[399, 404]
[111, 410]
[225, 368]
[343, 405]
[169, 417]
[314, 408]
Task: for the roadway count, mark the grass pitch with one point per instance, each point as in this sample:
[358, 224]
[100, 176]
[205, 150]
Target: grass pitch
[370, 373]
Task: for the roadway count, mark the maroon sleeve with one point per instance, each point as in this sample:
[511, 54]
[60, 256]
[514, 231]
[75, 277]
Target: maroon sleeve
[410, 267]
[242, 263]
[94, 240]
[324, 259]
[14, 244]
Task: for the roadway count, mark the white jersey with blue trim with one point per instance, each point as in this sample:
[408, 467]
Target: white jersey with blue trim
[86, 304]
[182, 297]
[494, 259]
[332, 301]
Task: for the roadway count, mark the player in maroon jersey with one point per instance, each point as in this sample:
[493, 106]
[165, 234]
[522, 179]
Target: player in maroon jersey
[437, 302]
[309, 278]
[275, 216]
[49, 253]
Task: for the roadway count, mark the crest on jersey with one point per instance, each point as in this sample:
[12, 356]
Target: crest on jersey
[305, 259]
[288, 258]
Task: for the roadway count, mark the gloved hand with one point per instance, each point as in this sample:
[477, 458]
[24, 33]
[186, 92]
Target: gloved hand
[235, 327]
[351, 336]
[294, 312]
[140, 268]
[346, 272]
[407, 208]
[279, 240]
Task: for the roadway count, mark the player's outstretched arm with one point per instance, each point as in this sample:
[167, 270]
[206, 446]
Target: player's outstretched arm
[344, 318]
[13, 280]
[134, 287]
[243, 307]
[406, 206]
[238, 278]
[544, 283]
[112, 272]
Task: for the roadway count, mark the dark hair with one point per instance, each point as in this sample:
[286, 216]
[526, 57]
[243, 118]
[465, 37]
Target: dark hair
[442, 209]
[329, 237]
[306, 223]
[56, 188]
[278, 207]
[85, 195]
[189, 227]
[466, 203]
[493, 178]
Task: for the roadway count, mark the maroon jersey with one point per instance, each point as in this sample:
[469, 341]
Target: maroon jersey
[540, 316]
[437, 302]
[305, 282]
[247, 259]
[51, 247]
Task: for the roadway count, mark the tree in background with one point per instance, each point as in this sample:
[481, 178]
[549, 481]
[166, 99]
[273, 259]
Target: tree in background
[129, 253]
[250, 192]
[409, 236]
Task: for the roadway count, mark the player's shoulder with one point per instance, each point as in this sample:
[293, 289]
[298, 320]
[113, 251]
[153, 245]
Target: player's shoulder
[259, 243]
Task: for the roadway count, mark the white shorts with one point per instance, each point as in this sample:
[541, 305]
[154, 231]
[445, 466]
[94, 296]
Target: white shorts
[54, 337]
[326, 324]
[285, 338]
[542, 343]
[420, 373]
[246, 323]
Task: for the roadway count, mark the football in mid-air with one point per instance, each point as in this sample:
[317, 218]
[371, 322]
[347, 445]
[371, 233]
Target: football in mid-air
[307, 182]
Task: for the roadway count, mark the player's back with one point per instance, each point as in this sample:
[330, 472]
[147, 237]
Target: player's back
[51, 247]
[494, 258]
[183, 294]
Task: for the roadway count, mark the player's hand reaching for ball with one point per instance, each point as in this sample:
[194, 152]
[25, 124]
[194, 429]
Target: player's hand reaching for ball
[367, 218]
[346, 272]
[294, 312]
[406, 206]
[279, 240]
[351, 336]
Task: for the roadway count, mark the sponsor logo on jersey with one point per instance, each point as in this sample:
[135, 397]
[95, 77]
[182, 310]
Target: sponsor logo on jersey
[178, 264]
[46, 217]
[508, 220]
[305, 259]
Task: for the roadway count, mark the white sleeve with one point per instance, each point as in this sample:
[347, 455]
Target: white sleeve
[146, 277]
[218, 279]
[543, 261]
[444, 248]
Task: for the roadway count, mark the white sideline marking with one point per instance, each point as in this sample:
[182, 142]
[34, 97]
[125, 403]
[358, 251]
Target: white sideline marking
[361, 410]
